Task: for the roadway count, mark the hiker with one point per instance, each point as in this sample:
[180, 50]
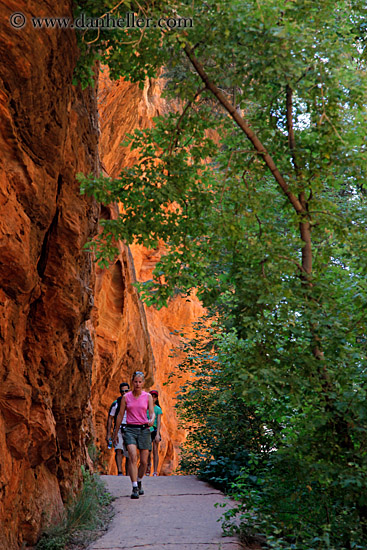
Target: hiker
[137, 434]
[120, 449]
[155, 433]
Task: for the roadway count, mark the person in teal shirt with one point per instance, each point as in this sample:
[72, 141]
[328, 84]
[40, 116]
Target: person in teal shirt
[155, 433]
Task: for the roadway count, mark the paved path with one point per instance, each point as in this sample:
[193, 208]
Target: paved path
[175, 513]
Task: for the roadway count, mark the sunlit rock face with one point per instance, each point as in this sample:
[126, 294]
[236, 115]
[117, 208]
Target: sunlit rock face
[164, 326]
[122, 341]
[124, 107]
[48, 133]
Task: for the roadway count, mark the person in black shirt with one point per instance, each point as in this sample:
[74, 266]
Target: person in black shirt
[120, 449]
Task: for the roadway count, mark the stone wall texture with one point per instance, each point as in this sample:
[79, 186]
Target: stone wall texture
[69, 332]
[48, 133]
[123, 106]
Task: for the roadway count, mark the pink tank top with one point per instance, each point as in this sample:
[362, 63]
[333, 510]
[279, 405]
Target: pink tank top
[136, 408]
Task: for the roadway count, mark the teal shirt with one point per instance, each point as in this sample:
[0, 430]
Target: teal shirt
[157, 411]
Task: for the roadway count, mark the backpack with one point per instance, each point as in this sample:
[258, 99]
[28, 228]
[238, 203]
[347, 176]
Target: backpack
[118, 401]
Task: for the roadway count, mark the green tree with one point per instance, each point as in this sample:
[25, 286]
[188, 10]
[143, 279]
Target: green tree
[257, 187]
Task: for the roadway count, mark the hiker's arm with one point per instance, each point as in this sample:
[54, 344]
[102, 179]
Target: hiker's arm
[151, 411]
[158, 436]
[109, 426]
[119, 418]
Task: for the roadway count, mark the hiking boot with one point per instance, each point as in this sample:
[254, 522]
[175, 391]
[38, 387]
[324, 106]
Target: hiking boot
[135, 493]
[141, 490]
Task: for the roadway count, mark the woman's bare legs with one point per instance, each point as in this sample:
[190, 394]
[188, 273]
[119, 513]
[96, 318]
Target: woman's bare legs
[155, 457]
[133, 462]
[149, 465]
[134, 471]
[143, 463]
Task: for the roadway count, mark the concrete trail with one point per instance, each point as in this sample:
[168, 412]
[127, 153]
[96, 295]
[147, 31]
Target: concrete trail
[175, 513]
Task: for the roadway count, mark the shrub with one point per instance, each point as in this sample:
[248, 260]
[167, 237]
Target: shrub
[87, 512]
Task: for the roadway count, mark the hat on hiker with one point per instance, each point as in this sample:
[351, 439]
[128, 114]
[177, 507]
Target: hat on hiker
[154, 392]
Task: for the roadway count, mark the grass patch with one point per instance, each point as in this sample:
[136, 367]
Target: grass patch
[83, 520]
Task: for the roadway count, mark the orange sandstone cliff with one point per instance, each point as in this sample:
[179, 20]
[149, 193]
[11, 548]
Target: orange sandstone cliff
[69, 332]
[124, 107]
[48, 133]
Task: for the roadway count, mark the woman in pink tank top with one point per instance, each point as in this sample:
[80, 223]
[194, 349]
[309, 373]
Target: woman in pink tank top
[137, 434]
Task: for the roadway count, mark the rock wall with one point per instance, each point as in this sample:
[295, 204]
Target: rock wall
[69, 332]
[122, 343]
[124, 107]
[48, 133]
[164, 326]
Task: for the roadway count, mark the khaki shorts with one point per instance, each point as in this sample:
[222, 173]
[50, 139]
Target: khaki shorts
[140, 437]
[120, 445]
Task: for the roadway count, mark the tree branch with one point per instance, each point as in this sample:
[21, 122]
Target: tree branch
[300, 267]
[243, 124]
[178, 126]
[290, 127]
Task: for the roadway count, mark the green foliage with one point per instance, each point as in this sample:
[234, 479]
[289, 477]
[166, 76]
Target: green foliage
[94, 454]
[85, 513]
[293, 459]
[134, 53]
[291, 512]
[278, 387]
[223, 471]
[222, 425]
